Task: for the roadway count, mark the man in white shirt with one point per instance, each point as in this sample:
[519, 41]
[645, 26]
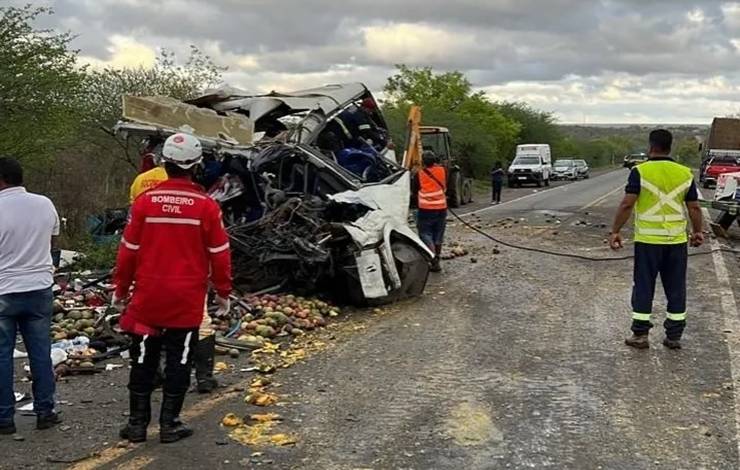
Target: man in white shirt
[27, 224]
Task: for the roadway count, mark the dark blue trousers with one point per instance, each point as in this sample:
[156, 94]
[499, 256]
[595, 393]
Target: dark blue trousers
[431, 225]
[668, 261]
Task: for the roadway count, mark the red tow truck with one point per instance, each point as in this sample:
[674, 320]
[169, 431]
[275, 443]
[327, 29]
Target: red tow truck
[721, 151]
[719, 163]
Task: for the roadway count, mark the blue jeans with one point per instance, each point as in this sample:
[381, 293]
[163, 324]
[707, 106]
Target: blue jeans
[29, 312]
[431, 225]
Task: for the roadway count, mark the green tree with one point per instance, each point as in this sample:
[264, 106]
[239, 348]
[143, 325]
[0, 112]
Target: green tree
[480, 134]
[687, 152]
[422, 86]
[41, 87]
[537, 127]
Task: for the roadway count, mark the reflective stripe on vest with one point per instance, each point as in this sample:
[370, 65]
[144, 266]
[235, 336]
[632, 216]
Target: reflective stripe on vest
[660, 217]
[431, 195]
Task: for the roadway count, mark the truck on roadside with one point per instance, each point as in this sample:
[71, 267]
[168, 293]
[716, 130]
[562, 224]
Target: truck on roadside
[438, 140]
[532, 165]
[720, 151]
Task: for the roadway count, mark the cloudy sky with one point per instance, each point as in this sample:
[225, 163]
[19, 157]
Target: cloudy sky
[594, 61]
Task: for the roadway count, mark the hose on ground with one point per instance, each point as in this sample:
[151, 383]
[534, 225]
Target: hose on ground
[571, 255]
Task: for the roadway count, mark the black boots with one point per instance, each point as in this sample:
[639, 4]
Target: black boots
[48, 421]
[672, 343]
[140, 413]
[171, 429]
[638, 341]
[435, 268]
[203, 359]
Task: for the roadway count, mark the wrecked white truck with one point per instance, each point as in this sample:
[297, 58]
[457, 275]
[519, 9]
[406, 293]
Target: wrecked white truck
[309, 198]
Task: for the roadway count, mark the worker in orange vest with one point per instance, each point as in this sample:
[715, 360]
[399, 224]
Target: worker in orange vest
[431, 195]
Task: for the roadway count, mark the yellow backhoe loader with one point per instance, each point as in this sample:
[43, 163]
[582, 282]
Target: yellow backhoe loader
[437, 139]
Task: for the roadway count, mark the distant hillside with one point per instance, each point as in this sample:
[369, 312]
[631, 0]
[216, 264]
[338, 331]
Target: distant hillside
[636, 133]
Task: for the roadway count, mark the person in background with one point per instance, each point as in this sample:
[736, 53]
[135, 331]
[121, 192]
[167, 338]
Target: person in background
[149, 153]
[657, 191]
[497, 183]
[357, 126]
[28, 223]
[174, 243]
[430, 188]
[148, 179]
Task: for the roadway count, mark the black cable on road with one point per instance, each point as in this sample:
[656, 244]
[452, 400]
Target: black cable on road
[571, 255]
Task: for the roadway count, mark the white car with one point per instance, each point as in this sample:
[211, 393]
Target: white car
[564, 170]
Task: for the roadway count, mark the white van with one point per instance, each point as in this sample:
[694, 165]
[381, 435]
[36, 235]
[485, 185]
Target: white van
[532, 164]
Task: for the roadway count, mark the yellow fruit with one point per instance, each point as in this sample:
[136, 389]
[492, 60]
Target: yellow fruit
[231, 420]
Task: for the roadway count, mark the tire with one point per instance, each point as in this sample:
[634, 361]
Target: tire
[547, 182]
[454, 194]
[539, 182]
[725, 220]
[467, 192]
[413, 269]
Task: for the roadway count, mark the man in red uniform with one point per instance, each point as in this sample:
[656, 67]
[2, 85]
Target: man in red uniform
[174, 239]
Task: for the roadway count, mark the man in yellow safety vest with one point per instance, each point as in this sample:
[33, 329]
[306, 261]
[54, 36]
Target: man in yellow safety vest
[657, 190]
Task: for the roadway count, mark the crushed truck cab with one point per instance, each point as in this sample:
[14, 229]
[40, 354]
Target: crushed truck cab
[307, 207]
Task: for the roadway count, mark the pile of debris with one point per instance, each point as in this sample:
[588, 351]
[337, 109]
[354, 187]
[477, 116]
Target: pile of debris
[255, 319]
[83, 330]
[454, 251]
[295, 244]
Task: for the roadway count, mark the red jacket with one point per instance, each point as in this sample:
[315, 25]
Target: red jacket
[174, 239]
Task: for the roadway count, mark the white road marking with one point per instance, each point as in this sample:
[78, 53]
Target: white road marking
[601, 199]
[564, 187]
[732, 323]
[512, 201]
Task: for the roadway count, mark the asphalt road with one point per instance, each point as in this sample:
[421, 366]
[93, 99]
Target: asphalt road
[511, 360]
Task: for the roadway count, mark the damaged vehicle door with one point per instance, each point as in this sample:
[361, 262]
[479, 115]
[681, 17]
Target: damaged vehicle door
[312, 203]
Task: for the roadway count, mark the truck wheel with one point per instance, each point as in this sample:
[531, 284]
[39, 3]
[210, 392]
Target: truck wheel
[413, 268]
[547, 182]
[454, 192]
[467, 192]
[725, 220]
[539, 182]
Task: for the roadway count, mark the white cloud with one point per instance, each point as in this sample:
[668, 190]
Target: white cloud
[696, 16]
[731, 13]
[601, 60]
[407, 43]
[652, 99]
[124, 52]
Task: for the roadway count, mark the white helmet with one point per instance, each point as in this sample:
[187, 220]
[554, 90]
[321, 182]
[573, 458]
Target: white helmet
[183, 150]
